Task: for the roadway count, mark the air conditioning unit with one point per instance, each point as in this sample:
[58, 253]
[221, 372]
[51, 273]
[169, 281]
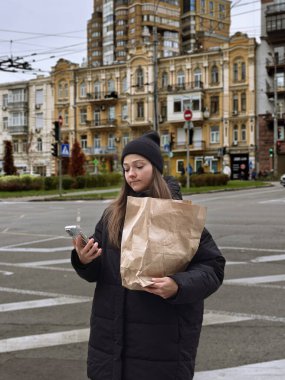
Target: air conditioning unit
[235, 143]
[4, 108]
[235, 113]
[37, 106]
[38, 130]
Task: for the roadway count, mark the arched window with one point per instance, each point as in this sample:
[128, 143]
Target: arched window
[181, 79]
[97, 90]
[243, 71]
[198, 78]
[235, 72]
[66, 90]
[214, 74]
[60, 90]
[39, 145]
[164, 79]
[83, 89]
[140, 77]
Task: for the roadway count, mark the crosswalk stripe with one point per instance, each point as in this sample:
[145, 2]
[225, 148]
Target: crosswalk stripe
[256, 280]
[258, 371]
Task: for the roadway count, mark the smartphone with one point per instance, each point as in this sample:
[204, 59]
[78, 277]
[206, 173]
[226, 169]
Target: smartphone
[74, 231]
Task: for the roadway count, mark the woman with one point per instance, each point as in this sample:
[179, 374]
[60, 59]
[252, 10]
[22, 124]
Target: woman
[151, 334]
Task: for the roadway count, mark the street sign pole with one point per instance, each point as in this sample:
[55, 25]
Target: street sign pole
[59, 156]
[187, 118]
[188, 156]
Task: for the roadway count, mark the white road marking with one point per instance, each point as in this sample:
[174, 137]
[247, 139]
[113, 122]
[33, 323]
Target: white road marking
[5, 273]
[42, 250]
[42, 263]
[37, 293]
[257, 371]
[212, 318]
[35, 304]
[33, 242]
[268, 259]
[254, 249]
[43, 340]
[273, 201]
[242, 316]
[236, 262]
[255, 280]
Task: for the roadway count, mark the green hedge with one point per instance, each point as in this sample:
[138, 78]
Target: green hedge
[28, 182]
[200, 180]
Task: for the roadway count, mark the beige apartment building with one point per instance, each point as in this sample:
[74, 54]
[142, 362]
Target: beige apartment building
[109, 105]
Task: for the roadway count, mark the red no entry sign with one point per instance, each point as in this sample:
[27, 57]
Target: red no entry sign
[187, 115]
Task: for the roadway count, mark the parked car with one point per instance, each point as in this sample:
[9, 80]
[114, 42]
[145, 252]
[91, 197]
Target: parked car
[282, 179]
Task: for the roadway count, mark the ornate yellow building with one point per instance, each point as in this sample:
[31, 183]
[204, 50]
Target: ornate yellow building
[104, 107]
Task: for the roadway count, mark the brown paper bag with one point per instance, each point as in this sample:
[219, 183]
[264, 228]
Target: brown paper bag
[160, 237]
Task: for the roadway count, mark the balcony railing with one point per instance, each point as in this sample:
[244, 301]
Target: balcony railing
[102, 123]
[99, 95]
[18, 130]
[276, 8]
[102, 150]
[196, 85]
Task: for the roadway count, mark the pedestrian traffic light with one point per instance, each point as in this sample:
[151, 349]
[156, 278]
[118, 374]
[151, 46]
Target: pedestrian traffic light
[270, 152]
[56, 130]
[54, 149]
[191, 133]
[278, 146]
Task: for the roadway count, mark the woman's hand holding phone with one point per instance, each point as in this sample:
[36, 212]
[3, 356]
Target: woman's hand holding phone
[86, 252]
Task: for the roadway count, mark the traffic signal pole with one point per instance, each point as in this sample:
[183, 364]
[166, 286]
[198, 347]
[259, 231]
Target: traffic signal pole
[59, 157]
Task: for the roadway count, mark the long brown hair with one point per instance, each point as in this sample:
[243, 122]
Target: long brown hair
[115, 214]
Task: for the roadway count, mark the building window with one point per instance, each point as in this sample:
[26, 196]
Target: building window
[39, 145]
[97, 90]
[197, 78]
[214, 104]
[60, 90]
[97, 117]
[235, 72]
[15, 146]
[243, 71]
[66, 118]
[5, 100]
[111, 141]
[139, 77]
[243, 102]
[111, 114]
[164, 79]
[83, 89]
[5, 123]
[124, 85]
[83, 115]
[211, 8]
[215, 75]
[177, 106]
[39, 97]
[235, 103]
[243, 133]
[111, 85]
[215, 135]
[125, 139]
[235, 134]
[140, 110]
[181, 79]
[39, 120]
[83, 140]
[124, 111]
[97, 141]
[65, 94]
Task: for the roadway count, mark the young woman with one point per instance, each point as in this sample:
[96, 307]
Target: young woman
[151, 334]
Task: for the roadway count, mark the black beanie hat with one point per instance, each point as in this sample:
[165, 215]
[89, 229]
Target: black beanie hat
[148, 146]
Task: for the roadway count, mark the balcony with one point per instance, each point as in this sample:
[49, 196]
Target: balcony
[197, 146]
[100, 151]
[18, 130]
[99, 97]
[102, 124]
[183, 87]
[17, 105]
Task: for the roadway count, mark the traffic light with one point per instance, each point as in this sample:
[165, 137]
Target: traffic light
[54, 149]
[172, 141]
[278, 146]
[56, 130]
[271, 152]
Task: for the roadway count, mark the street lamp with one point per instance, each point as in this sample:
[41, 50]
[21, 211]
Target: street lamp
[275, 119]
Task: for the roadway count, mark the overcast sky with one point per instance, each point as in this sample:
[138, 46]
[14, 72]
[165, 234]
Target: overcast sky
[40, 29]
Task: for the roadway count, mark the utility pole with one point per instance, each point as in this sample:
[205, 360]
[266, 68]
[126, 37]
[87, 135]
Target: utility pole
[275, 122]
[60, 121]
[155, 80]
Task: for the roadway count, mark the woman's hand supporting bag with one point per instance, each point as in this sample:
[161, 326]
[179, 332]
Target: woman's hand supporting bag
[164, 287]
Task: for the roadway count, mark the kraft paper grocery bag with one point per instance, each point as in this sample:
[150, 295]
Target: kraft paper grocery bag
[160, 237]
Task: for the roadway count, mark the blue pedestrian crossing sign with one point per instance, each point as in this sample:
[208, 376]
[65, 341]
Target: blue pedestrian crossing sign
[64, 150]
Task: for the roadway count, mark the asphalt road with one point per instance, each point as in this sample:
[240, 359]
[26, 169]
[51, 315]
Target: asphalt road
[45, 307]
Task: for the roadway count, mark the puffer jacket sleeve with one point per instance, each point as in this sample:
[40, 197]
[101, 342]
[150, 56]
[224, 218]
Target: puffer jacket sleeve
[89, 272]
[204, 274]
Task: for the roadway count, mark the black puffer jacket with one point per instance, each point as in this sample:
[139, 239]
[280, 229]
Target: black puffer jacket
[136, 335]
